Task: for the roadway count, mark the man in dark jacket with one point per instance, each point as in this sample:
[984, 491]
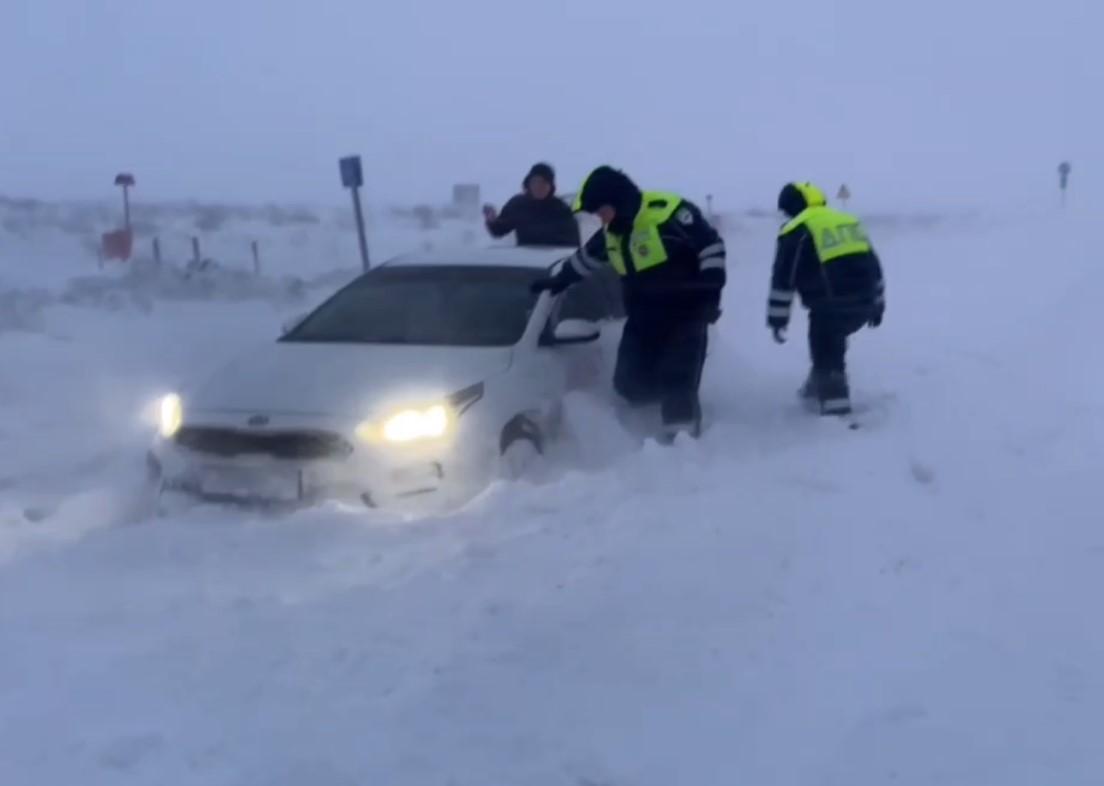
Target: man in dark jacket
[671, 262]
[826, 257]
[537, 216]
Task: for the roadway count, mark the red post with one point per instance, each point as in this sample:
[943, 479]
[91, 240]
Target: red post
[117, 244]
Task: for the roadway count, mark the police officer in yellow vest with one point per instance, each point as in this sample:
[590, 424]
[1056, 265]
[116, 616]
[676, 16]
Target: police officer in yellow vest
[671, 263]
[826, 257]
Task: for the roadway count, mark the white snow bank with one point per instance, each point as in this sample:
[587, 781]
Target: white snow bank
[784, 602]
[44, 245]
[144, 284]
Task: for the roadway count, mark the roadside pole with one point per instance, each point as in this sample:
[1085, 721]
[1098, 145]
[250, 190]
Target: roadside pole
[1064, 170]
[352, 177]
[125, 180]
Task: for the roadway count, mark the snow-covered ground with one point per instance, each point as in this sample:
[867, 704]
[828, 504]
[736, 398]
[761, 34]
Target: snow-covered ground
[783, 602]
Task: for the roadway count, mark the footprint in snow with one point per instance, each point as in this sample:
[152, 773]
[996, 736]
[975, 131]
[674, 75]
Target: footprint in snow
[125, 753]
[922, 473]
[36, 514]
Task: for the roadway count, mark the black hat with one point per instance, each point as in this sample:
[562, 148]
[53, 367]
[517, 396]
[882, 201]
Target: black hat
[606, 186]
[541, 170]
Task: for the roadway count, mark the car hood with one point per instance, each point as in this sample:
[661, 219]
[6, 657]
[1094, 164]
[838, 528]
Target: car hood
[343, 379]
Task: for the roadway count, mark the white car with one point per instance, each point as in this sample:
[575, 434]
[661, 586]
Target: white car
[421, 378]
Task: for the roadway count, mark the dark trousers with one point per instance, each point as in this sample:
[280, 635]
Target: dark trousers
[661, 360]
[828, 333]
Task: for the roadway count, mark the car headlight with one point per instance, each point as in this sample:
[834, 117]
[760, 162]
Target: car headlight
[171, 415]
[409, 425]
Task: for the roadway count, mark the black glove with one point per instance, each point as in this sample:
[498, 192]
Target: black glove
[876, 317]
[554, 285]
[779, 333]
[711, 310]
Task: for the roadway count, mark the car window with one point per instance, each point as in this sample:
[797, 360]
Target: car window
[595, 298]
[431, 305]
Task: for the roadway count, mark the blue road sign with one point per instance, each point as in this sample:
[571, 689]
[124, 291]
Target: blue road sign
[352, 176]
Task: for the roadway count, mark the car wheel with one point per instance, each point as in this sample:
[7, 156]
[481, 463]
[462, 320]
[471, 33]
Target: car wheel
[521, 446]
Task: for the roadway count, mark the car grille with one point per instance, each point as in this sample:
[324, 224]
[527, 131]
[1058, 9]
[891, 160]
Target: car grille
[227, 442]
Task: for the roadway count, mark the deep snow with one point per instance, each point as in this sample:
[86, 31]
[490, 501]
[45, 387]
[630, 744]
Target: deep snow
[783, 602]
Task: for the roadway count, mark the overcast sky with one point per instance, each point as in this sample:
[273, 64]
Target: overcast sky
[911, 103]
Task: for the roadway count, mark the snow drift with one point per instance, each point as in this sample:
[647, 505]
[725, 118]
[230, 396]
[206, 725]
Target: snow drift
[782, 602]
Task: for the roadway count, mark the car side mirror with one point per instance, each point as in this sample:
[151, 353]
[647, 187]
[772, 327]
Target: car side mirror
[575, 331]
[293, 323]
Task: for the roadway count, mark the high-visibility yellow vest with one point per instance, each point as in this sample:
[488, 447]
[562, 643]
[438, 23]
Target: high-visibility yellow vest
[835, 233]
[645, 244]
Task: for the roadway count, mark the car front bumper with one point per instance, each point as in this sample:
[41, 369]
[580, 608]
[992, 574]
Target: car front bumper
[436, 477]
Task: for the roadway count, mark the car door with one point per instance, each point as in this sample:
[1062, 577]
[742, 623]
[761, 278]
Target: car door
[584, 364]
[538, 376]
[596, 298]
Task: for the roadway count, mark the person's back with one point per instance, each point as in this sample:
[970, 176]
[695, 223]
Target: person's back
[831, 262]
[826, 257]
[536, 216]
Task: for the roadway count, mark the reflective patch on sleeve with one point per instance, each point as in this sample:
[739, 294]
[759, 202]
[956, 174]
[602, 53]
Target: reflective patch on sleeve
[588, 260]
[713, 263]
[778, 312]
[684, 216]
[579, 266]
[712, 251]
[782, 295]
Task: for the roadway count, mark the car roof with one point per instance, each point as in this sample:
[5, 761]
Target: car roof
[489, 256]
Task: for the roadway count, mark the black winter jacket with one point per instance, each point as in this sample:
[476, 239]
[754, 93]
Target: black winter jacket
[537, 222]
[851, 284]
[687, 285]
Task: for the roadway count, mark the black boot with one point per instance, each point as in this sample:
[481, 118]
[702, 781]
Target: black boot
[671, 431]
[680, 412]
[808, 389]
[833, 393]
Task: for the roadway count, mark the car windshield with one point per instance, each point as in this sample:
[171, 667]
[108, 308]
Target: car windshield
[435, 305]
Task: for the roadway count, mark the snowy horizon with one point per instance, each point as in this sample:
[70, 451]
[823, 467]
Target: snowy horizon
[942, 103]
